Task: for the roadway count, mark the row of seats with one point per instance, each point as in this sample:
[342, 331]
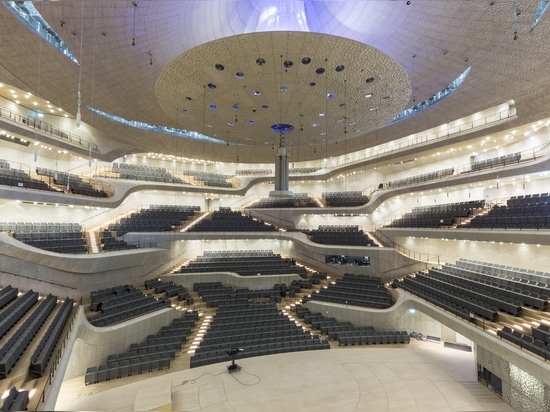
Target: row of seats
[75, 245]
[18, 342]
[110, 243]
[170, 289]
[253, 172]
[513, 279]
[15, 400]
[147, 173]
[521, 275]
[426, 177]
[503, 222]
[461, 305]
[505, 304]
[331, 236]
[101, 295]
[354, 290]
[520, 210]
[210, 179]
[7, 294]
[129, 310]
[344, 199]
[20, 178]
[534, 199]
[216, 295]
[437, 215]
[73, 182]
[16, 310]
[238, 253]
[42, 227]
[226, 220]
[132, 367]
[43, 353]
[298, 170]
[245, 265]
[348, 334]
[154, 353]
[257, 329]
[298, 200]
[541, 332]
[476, 280]
[433, 297]
[499, 161]
[154, 219]
[524, 341]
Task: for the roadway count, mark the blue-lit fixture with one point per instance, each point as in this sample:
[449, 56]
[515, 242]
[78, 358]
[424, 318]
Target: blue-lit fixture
[282, 128]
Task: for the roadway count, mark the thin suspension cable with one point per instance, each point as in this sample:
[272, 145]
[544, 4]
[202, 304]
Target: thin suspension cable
[515, 21]
[78, 114]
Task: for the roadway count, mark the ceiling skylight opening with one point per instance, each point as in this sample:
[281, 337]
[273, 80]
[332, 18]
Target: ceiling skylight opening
[157, 128]
[543, 5]
[31, 17]
[436, 98]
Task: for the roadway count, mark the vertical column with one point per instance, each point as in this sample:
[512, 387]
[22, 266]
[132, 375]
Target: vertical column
[281, 170]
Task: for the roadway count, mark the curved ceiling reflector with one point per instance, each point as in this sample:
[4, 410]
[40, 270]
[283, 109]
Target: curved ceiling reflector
[188, 134]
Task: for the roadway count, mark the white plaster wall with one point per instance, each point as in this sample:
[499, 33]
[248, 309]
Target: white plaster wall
[529, 256]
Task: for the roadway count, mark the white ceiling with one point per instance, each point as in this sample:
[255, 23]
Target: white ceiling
[446, 36]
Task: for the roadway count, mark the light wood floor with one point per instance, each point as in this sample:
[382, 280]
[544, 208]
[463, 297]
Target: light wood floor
[421, 376]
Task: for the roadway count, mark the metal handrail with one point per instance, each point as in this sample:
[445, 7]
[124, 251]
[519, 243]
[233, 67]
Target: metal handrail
[38, 124]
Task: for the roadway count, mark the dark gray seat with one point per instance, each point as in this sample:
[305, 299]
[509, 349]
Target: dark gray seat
[102, 373]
